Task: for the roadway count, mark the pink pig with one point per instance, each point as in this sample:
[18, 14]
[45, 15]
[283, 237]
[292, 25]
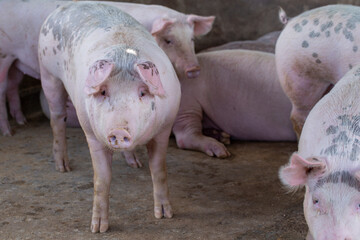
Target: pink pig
[124, 89]
[328, 163]
[174, 32]
[313, 52]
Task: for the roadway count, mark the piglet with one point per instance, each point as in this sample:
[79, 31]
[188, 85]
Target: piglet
[328, 163]
[124, 89]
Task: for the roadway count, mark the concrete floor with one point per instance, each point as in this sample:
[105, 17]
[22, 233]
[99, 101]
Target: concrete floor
[236, 198]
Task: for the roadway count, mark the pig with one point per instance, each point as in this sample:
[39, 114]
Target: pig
[328, 163]
[124, 89]
[237, 93]
[264, 43]
[174, 32]
[313, 52]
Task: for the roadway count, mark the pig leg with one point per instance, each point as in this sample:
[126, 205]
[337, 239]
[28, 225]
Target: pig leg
[101, 159]
[56, 96]
[157, 148]
[132, 160]
[188, 130]
[304, 94]
[15, 77]
[5, 64]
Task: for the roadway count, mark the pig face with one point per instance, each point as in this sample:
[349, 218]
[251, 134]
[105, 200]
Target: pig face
[176, 38]
[332, 199]
[121, 103]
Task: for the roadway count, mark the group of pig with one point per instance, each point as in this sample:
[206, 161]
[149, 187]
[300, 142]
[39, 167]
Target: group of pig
[127, 74]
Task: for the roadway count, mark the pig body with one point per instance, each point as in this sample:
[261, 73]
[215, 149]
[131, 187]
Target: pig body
[238, 93]
[313, 52]
[264, 43]
[328, 163]
[124, 89]
[20, 24]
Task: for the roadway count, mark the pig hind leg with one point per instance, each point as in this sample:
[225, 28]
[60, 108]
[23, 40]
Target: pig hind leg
[5, 64]
[56, 96]
[12, 92]
[304, 94]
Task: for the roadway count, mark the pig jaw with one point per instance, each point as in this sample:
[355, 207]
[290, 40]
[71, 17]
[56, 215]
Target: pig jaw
[332, 211]
[178, 44]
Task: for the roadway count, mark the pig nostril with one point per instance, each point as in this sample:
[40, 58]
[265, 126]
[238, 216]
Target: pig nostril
[113, 138]
[126, 139]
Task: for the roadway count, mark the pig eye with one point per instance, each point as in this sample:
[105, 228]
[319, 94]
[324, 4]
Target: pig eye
[103, 92]
[167, 41]
[143, 92]
[315, 201]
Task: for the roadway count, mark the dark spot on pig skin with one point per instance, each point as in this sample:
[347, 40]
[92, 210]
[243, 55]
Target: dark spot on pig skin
[315, 55]
[341, 138]
[331, 130]
[54, 51]
[305, 44]
[348, 35]
[354, 152]
[326, 26]
[316, 21]
[338, 28]
[339, 177]
[318, 61]
[304, 22]
[297, 28]
[312, 34]
[65, 118]
[153, 106]
[43, 52]
[355, 48]
[332, 150]
[350, 66]
[327, 34]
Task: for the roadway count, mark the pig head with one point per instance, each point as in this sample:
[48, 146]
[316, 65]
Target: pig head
[176, 38]
[332, 198]
[115, 99]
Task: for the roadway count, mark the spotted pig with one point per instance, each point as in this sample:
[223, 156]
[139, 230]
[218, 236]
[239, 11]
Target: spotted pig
[313, 52]
[328, 163]
[123, 87]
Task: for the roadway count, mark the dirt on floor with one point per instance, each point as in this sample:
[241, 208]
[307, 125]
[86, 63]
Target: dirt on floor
[235, 198]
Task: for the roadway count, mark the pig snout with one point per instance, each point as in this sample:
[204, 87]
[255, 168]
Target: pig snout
[120, 138]
[193, 71]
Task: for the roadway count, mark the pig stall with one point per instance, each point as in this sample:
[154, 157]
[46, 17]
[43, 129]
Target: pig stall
[225, 192]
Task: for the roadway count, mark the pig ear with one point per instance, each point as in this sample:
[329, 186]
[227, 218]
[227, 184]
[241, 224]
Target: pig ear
[202, 25]
[161, 24]
[98, 73]
[297, 172]
[151, 77]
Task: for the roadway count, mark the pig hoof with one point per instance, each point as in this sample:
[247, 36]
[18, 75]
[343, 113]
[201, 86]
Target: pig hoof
[99, 225]
[164, 210]
[217, 150]
[63, 167]
[21, 120]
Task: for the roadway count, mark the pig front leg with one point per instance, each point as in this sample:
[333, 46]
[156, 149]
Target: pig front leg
[157, 148]
[188, 131]
[12, 92]
[5, 64]
[56, 96]
[101, 159]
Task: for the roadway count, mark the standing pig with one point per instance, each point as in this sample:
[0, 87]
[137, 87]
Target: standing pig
[328, 163]
[20, 23]
[313, 52]
[237, 93]
[124, 89]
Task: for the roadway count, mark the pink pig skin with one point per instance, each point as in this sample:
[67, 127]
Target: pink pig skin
[328, 163]
[20, 22]
[238, 91]
[124, 89]
[313, 52]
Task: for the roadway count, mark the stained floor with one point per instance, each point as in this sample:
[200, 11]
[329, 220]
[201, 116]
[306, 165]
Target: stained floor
[236, 198]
